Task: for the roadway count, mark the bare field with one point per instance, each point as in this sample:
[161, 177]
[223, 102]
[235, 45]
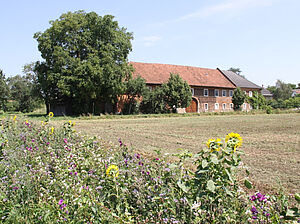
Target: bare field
[271, 142]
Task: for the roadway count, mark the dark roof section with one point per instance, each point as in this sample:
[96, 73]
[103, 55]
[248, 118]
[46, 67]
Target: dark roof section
[266, 92]
[159, 73]
[239, 81]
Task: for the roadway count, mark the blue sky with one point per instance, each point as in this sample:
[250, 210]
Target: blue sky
[261, 37]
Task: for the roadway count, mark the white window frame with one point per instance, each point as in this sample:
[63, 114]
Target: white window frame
[231, 105]
[217, 91]
[250, 94]
[150, 88]
[224, 106]
[224, 91]
[204, 92]
[245, 106]
[216, 106]
[193, 91]
[245, 93]
[231, 93]
[206, 106]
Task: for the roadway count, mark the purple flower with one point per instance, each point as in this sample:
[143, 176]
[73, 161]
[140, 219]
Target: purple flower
[253, 198]
[138, 156]
[253, 209]
[60, 201]
[65, 141]
[75, 173]
[156, 158]
[254, 217]
[121, 143]
[259, 195]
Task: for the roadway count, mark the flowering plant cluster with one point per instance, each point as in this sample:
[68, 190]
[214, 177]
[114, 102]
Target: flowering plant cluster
[56, 175]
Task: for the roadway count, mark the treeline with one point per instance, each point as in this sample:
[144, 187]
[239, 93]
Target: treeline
[19, 93]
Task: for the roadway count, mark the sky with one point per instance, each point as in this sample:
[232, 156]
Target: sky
[261, 37]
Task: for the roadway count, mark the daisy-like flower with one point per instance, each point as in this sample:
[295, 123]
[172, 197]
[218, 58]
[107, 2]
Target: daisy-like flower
[51, 130]
[234, 140]
[214, 144]
[112, 171]
[15, 117]
[51, 114]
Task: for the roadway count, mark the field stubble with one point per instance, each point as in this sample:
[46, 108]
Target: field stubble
[271, 142]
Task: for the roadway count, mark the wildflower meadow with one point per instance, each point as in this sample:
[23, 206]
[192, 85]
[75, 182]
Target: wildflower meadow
[56, 175]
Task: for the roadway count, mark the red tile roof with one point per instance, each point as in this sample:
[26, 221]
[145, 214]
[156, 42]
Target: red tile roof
[195, 76]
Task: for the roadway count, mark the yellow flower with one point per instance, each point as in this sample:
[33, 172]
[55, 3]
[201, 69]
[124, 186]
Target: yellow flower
[234, 140]
[51, 114]
[114, 169]
[26, 122]
[52, 131]
[214, 144]
[15, 117]
[72, 123]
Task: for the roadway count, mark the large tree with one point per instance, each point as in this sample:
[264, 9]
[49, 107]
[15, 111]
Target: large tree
[282, 91]
[4, 91]
[86, 59]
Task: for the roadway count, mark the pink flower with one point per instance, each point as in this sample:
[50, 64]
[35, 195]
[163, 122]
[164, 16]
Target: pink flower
[60, 201]
[65, 141]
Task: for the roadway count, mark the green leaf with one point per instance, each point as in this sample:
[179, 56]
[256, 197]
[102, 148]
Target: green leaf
[248, 184]
[297, 197]
[214, 159]
[229, 175]
[182, 186]
[204, 163]
[290, 213]
[211, 186]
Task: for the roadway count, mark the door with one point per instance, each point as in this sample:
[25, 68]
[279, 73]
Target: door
[193, 108]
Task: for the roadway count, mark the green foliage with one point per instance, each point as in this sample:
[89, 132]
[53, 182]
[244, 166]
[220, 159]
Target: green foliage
[283, 91]
[153, 102]
[257, 101]
[4, 93]
[177, 92]
[238, 98]
[23, 97]
[51, 175]
[135, 88]
[85, 60]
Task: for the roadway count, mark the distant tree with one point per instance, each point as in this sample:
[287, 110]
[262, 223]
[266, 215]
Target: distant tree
[236, 71]
[283, 91]
[23, 94]
[298, 86]
[4, 91]
[86, 60]
[238, 98]
[177, 92]
[135, 88]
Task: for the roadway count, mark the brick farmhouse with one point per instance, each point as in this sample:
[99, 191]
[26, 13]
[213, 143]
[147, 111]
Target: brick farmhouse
[212, 89]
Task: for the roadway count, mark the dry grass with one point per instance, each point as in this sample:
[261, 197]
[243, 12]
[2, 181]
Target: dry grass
[271, 142]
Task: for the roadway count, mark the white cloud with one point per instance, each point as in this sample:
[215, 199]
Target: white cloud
[149, 41]
[228, 7]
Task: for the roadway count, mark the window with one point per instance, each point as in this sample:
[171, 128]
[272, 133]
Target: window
[206, 106]
[231, 106]
[150, 88]
[224, 93]
[224, 106]
[193, 91]
[230, 93]
[250, 106]
[245, 92]
[205, 92]
[216, 92]
[245, 106]
[216, 106]
[250, 93]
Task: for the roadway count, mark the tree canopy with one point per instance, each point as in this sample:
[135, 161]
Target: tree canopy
[238, 98]
[4, 93]
[86, 59]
